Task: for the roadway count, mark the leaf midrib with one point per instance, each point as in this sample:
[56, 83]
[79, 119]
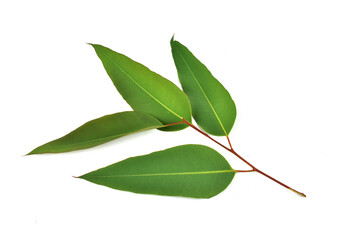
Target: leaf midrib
[202, 91]
[162, 174]
[136, 83]
[103, 138]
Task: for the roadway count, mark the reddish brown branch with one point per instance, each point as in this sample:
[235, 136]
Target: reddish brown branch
[170, 124]
[229, 142]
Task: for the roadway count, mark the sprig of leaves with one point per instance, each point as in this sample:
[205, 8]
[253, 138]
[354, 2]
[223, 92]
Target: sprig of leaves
[189, 170]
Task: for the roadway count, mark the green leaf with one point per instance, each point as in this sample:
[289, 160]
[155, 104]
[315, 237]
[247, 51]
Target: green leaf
[190, 170]
[144, 90]
[212, 106]
[99, 131]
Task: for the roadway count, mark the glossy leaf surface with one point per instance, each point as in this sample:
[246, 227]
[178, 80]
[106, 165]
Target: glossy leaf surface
[190, 170]
[100, 130]
[212, 106]
[144, 90]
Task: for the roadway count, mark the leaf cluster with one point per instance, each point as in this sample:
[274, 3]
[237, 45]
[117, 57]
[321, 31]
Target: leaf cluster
[189, 170]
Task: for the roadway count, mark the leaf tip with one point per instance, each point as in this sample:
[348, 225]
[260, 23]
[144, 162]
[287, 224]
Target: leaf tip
[38, 150]
[31, 153]
[173, 41]
[81, 177]
[94, 45]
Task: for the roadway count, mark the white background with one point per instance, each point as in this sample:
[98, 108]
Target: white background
[292, 68]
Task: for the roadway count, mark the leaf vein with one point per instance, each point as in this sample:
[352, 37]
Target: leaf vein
[136, 83]
[101, 139]
[164, 174]
[202, 91]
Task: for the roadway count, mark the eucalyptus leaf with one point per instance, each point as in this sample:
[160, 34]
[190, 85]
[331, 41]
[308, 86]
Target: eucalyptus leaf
[189, 170]
[144, 90]
[99, 131]
[212, 106]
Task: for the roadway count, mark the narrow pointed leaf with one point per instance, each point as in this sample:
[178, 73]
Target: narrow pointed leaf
[212, 106]
[190, 170]
[99, 131]
[144, 90]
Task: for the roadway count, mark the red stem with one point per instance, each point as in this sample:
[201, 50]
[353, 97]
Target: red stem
[227, 137]
[254, 169]
[170, 124]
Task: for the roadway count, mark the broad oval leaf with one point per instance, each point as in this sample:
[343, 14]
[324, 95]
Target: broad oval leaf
[190, 170]
[144, 90]
[99, 131]
[212, 106]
